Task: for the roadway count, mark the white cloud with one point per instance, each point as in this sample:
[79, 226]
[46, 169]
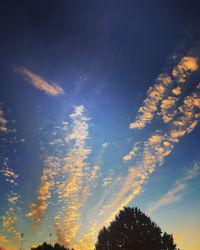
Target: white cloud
[105, 144]
[177, 192]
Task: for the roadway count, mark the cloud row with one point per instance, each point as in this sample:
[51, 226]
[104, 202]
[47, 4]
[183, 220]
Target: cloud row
[157, 148]
[164, 85]
[38, 208]
[74, 191]
[67, 180]
[181, 117]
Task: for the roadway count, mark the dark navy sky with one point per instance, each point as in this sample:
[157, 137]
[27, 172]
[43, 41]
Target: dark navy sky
[97, 59]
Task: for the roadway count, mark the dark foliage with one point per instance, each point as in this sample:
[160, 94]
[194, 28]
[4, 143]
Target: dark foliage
[133, 230]
[46, 246]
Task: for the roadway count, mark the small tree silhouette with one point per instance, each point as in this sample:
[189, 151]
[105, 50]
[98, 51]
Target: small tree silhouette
[133, 230]
[46, 246]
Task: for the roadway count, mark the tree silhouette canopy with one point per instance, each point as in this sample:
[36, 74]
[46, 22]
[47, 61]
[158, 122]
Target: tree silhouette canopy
[46, 246]
[133, 230]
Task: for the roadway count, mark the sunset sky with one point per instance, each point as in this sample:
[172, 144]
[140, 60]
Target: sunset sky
[99, 109]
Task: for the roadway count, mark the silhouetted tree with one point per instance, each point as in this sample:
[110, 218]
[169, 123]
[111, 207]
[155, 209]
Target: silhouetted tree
[46, 246]
[133, 230]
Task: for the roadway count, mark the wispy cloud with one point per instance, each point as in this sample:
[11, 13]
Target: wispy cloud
[177, 192]
[38, 82]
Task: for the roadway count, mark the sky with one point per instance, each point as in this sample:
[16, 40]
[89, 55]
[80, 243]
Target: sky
[99, 109]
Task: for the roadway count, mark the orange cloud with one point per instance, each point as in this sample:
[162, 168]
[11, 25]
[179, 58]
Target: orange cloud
[3, 129]
[10, 175]
[38, 82]
[3, 120]
[71, 191]
[168, 108]
[154, 95]
[38, 208]
[8, 221]
[36, 245]
[177, 90]
[158, 92]
[132, 153]
[13, 197]
[78, 178]
[186, 65]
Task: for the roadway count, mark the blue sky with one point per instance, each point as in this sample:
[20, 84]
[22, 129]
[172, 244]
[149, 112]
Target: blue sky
[99, 109]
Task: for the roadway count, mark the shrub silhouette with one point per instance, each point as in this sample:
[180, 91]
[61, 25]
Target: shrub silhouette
[133, 230]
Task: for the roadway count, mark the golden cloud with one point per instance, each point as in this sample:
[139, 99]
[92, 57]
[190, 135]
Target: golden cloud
[8, 221]
[154, 95]
[168, 108]
[3, 129]
[36, 245]
[77, 179]
[132, 153]
[13, 198]
[38, 82]
[38, 208]
[177, 90]
[10, 175]
[157, 93]
[186, 65]
[3, 120]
